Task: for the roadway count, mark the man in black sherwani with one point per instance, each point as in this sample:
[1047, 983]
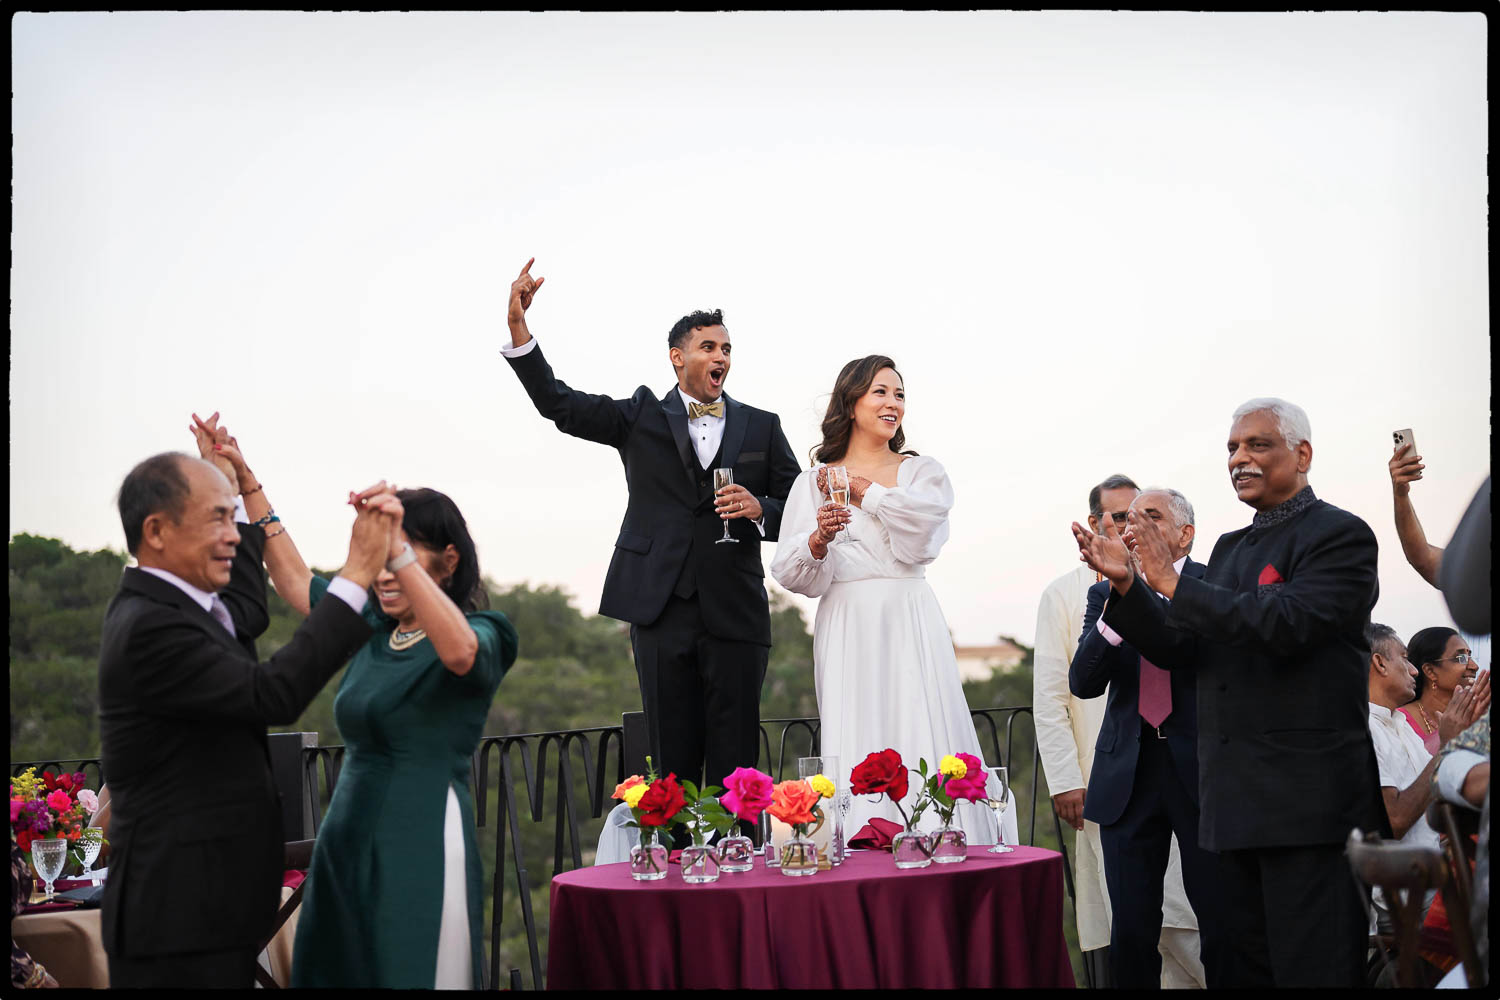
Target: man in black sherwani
[700, 625]
[1274, 629]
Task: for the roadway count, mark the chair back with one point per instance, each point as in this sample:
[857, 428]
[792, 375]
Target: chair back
[1395, 867]
[1459, 827]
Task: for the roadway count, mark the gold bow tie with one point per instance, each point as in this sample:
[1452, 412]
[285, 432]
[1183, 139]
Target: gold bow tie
[714, 409]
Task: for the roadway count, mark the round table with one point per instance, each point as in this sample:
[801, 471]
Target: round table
[992, 920]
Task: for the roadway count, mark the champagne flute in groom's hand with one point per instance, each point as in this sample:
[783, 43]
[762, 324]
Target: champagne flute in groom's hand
[723, 478]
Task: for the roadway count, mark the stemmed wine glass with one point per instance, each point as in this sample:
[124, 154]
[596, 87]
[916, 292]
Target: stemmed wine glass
[91, 842]
[999, 804]
[838, 494]
[49, 854]
[723, 478]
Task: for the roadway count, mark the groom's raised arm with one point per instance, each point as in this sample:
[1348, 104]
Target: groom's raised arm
[581, 414]
[784, 471]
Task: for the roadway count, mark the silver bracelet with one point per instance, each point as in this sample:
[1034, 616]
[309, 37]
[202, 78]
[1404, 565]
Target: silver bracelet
[406, 558]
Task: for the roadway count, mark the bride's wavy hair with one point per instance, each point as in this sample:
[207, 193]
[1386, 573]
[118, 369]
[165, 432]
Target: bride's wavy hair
[838, 423]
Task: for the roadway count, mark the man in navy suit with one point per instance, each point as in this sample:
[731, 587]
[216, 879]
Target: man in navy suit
[1144, 783]
[686, 572]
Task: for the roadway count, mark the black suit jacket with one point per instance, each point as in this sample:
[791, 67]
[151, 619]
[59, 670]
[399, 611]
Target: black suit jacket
[1284, 749]
[195, 830]
[670, 525]
[1096, 666]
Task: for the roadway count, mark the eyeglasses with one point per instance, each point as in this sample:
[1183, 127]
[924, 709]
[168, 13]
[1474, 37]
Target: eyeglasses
[1121, 519]
[1462, 659]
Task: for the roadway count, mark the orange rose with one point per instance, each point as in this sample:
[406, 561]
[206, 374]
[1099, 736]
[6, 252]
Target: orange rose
[628, 783]
[792, 802]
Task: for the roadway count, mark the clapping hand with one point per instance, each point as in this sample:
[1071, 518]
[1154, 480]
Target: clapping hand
[1406, 468]
[1465, 708]
[1105, 553]
[370, 540]
[1152, 553]
[383, 500]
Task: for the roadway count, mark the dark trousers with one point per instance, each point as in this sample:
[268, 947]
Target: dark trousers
[1296, 917]
[701, 695]
[198, 970]
[1137, 847]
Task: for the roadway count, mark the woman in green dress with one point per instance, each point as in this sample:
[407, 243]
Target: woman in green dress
[394, 896]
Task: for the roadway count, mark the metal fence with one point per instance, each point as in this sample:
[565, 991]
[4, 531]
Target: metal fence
[514, 771]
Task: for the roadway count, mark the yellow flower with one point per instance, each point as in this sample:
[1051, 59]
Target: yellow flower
[634, 793]
[953, 767]
[822, 785]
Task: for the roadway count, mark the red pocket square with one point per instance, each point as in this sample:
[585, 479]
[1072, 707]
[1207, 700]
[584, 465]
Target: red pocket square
[1269, 575]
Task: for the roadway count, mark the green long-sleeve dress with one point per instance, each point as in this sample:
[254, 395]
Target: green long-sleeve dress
[374, 895]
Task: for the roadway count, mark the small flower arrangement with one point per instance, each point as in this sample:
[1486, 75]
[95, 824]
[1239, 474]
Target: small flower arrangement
[52, 806]
[959, 778]
[654, 801]
[747, 793]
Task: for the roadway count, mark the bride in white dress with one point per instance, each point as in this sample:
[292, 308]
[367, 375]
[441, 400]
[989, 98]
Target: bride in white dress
[882, 655]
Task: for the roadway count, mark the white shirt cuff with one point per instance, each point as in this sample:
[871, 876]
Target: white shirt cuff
[1452, 772]
[517, 352]
[349, 592]
[1110, 635]
[870, 502]
[760, 522]
[240, 514]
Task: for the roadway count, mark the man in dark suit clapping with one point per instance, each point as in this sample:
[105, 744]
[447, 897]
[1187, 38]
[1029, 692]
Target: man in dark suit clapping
[1143, 787]
[1275, 631]
[700, 625]
[196, 834]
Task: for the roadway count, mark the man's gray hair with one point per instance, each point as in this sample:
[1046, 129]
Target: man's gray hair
[1377, 634]
[1182, 511]
[1291, 419]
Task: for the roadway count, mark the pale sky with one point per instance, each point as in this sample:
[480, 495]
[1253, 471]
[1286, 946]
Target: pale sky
[1084, 237]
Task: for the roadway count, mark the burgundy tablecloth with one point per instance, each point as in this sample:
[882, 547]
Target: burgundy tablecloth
[994, 920]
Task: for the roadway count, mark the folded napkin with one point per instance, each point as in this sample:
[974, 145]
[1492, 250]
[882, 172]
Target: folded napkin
[876, 835]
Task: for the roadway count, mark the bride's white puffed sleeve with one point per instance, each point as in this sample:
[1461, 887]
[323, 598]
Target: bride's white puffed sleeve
[915, 516]
[794, 566]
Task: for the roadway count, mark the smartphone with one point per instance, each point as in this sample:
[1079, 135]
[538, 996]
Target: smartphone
[1404, 437]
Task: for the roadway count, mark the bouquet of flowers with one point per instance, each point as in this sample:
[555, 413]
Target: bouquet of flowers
[654, 803]
[50, 806]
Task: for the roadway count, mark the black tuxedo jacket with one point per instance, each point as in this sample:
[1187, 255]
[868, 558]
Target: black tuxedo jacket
[670, 525]
[1275, 631]
[195, 830]
[1098, 665]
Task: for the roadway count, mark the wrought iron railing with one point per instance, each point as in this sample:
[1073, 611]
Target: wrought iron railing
[515, 769]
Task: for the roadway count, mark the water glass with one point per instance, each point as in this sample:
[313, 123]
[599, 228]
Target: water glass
[768, 841]
[48, 855]
[91, 843]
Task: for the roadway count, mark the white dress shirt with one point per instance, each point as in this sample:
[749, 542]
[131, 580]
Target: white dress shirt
[1110, 635]
[1400, 755]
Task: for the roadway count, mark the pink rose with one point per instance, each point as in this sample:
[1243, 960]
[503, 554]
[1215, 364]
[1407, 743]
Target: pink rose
[970, 787]
[59, 800]
[747, 793]
[89, 800]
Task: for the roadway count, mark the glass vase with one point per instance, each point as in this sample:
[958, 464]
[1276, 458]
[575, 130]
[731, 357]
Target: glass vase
[950, 845]
[911, 849]
[736, 853]
[700, 863]
[799, 855]
[648, 859]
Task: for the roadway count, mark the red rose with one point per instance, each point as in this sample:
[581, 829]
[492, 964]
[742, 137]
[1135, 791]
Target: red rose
[662, 801]
[880, 772]
[23, 839]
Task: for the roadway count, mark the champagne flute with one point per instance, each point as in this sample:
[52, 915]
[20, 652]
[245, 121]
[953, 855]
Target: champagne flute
[838, 494]
[999, 804]
[723, 478]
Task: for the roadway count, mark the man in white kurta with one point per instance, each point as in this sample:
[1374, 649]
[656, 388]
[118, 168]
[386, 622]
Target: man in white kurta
[1066, 730]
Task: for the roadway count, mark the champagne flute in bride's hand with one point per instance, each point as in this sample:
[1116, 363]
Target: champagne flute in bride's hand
[723, 478]
[999, 804]
[838, 494]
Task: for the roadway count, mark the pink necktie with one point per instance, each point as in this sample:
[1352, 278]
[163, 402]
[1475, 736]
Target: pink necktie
[221, 613]
[1156, 693]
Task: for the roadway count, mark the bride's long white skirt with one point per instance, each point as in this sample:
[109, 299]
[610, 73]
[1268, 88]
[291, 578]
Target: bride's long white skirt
[886, 677]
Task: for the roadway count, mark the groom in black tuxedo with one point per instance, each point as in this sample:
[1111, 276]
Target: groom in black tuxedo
[700, 626]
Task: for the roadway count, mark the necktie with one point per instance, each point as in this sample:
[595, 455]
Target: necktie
[1156, 693]
[714, 409]
[221, 614]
